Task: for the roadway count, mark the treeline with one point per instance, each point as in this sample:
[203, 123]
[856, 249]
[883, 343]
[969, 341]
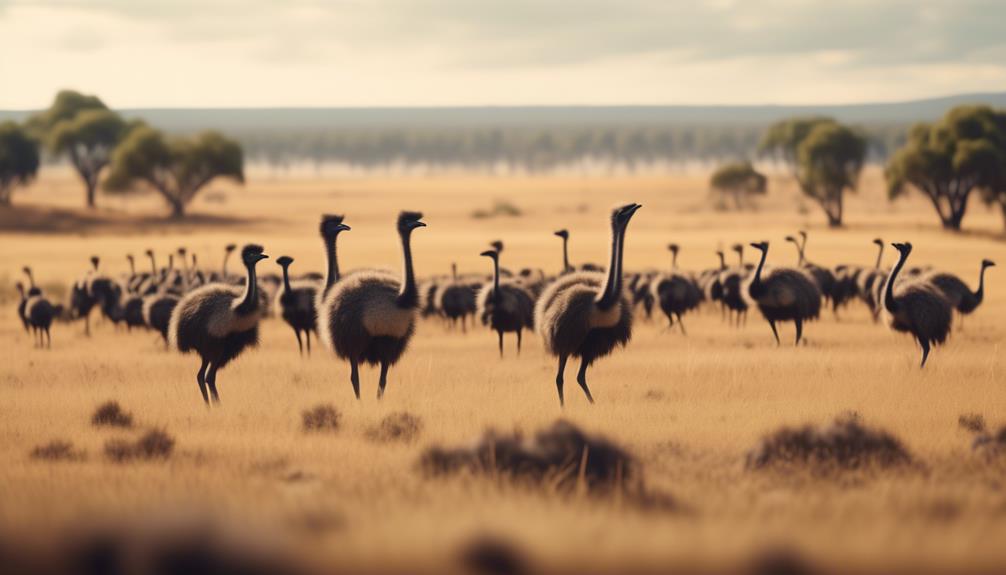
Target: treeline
[526, 149]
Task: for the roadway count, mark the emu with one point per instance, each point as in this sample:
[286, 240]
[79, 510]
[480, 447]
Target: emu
[39, 312]
[675, 293]
[564, 234]
[916, 307]
[456, 300]
[508, 306]
[296, 304]
[586, 314]
[219, 322]
[958, 293]
[370, 316]
[784, 294]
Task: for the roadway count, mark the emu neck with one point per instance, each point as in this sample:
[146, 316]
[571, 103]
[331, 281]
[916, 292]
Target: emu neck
[613, 284]
[132, 267]
[723, 261]
[227, 256]
[980, 294]
[496, 279]
[408, 296]
[565, 254]
[286, 279]
[674, 261]
[332, 275]
[249, 301]
[153, 266]
[880, 256]
[756, 286]
[889, 302]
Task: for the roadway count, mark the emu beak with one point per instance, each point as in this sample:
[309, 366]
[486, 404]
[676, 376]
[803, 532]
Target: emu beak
[488, 253]
[343, 228]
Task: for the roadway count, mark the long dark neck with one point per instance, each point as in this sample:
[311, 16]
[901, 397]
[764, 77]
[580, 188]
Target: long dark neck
[496, 279]
[723, 261]
[880, 256]
[408, 296]
[889, 302]
[613, 284]
[565, 254]
[227, 256]
[31, 279]
[756, 282]
[332, 275]
[980, 294]
[153, 266]
[674, 260]
[132, 267]
[286, 279]
[249, 301]
[803, 251]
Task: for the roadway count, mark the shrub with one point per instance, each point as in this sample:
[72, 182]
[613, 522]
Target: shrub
[492, 556]
[321, 418]
[973, 422]
[57, 450]
[401, 426]
[110, 414]
[154, 444]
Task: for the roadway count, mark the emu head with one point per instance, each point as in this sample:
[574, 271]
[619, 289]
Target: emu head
[331, 225]
[987, 263]
[149, 253]
[408, 221]
[182, 252]
[620, 216]
[497, 245]
[674, 248]
[564, 234]
[904, 249]
[879, 242]
[739, 248]
[230, 248]
[490, 254]
[251, 254]
[761, 246]
[284, 261]
[95, 260]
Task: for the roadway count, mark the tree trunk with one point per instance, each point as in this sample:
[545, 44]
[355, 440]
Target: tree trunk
[177, 209]
[953, 221]
[5, 194]
[92, 188]
[1002, 206]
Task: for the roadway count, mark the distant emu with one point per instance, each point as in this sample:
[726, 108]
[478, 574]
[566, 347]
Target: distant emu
[916, 307]
[784, 294]
[675, 292]
[566, 267]
[38, 312]
[508, 306]
[370, 316]
[586, 314]
[296, 304]
[958, 293]
[456, 300]
[219, 322]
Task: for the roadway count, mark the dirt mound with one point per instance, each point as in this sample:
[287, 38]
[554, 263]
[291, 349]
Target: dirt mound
[846, 444]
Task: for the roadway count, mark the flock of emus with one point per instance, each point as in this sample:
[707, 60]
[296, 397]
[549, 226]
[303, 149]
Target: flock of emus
[369, 315]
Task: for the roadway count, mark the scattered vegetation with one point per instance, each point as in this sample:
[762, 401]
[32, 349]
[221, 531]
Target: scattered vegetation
[499, 208]
[739, 183]
[490, 555]
[562, 456]
[154, 444]
[991, 444]
[57, 450]
[846, 444]
[399, 426]
[973, 422]
[111, 414]
[321, 418]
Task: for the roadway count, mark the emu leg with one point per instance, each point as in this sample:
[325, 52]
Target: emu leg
[201, 380]
[581, 378]
[925, 352]
[87, 325]
[775, 332]
[211, 381]
[558, 378]
[300, 344]
[519, 332]
[354, 377]
[308, 333]
[681, 325]
[799, 330]
[383, 381]
[500, 332]
[48, 338]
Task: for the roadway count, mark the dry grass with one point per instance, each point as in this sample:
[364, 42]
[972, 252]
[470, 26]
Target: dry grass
[321, 418]
[399, 426]
[715, 393]
[152, 445]
[111, 414]
[57, 450]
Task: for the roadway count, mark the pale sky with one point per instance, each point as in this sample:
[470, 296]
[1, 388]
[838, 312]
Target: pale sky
[198, 53]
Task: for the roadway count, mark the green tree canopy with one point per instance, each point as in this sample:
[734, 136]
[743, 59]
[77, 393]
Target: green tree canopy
[823, 156]
[948, 160]
[739, 181]
[830, 159]
[18, 159]
[176, 168]
[84, 129]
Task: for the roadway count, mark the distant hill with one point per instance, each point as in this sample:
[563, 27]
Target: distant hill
[238, 120]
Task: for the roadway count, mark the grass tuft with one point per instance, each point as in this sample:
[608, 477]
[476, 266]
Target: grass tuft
[57, 450]
[154, 444]
[973, 422]
[111, 414]
[401, 426]
[490, 555]
[322, 417]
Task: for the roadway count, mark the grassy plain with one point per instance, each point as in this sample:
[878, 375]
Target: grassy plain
[688, 407]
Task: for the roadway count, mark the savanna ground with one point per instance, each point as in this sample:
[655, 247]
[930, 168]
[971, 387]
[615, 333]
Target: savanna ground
[688, 407]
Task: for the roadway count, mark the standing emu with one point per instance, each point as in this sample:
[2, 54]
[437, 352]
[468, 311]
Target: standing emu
[457, 300]
[916, 307]
[330, 228]
[218, 322]
[38, 312]
[370, 316]
[586, 314]
[958, 293]
[508, 306]
[785, 294]
[676, 293]
[823, 277]
[564, 234]
[296, 304]
[22, 302]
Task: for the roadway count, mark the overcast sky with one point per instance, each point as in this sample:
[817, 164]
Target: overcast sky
[190, 53]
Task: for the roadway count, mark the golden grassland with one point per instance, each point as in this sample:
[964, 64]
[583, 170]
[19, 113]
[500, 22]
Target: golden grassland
[688, 407]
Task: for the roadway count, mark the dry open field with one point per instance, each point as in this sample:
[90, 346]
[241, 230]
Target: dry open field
[688, 407]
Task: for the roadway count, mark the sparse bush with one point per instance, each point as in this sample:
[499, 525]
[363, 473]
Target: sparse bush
[110, 414]
[57, 450]
[401, 426]
[499, 208]
[321, 418]
[846, 444]
[973, 422]
[562, 456]
[154, 444]
[490, 555]
[991, 444]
